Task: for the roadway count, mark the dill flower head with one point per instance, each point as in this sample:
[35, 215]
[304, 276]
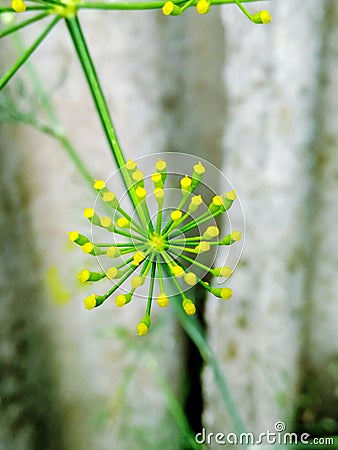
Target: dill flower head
[167, 245]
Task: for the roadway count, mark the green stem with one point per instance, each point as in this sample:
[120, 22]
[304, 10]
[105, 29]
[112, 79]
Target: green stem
[4, 80]
[28, 9]
[23, 24]
[82, 50]
[194, 330]
[134, 6]
[151, 286]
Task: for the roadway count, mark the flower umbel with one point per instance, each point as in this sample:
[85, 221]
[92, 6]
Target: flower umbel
[165, 249]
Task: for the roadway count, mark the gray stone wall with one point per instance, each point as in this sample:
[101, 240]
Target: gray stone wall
[260, 102]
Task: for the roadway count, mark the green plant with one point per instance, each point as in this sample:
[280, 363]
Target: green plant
[157, 244]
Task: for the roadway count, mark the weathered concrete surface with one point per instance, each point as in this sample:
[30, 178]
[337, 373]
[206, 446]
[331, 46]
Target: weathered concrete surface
[271, 77]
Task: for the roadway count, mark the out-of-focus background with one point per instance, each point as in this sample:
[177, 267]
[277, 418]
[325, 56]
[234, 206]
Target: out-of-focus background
[259, 102]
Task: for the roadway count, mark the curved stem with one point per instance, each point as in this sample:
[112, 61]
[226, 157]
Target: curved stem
[82, 50]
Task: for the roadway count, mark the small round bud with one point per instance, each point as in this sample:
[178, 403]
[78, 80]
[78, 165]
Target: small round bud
[236, 235]
[199, 169]
[140, 193]
[84, 276]
[88, 247]
[190, 278]
[137, 281]
[186, 183]
[73, 235]
[106, 222]
[113, 252]
[99, 184]
[202, 247]
[177, 271]
[262, 17]
[131, 165]
[88, 213]
[121, 300]
[162, 300]
[122, 222]
[189, 307]
[90, 301]
[226, 293]
[176, 215]
[112, 273]
[109, 197]
[211, 232]
[141, 329]
[231, 195]
[161, 165]
[19, 6]
[137, 176]
[223, 272]
[138, 257]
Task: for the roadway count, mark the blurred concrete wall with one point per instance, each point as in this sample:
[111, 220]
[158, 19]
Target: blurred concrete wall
[277, 339]
[261, 103]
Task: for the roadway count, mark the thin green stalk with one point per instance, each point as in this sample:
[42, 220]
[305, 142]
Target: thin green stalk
[134, 6]
[80, 44]
[23, 24]
[151, 286]
[12, 71]
[194, 330]
[28, 9]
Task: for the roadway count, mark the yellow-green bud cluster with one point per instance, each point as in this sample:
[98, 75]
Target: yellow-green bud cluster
[170, 8]
[151, 250]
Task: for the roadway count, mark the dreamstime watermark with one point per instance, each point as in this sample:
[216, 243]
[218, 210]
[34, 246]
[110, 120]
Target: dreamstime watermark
[278, 436]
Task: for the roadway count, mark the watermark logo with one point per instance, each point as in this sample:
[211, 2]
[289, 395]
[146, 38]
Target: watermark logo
[269, 437]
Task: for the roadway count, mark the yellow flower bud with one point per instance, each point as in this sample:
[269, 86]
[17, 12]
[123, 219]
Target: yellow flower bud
[88, 247]
[189, 307]
[203, 6]
[161, 165]
[262, 17]
[202, 247]
[112, 273]
[122, 222]
[106, 222]
[177, 271]
[138, 257]
[231, 195]
[176, 215]
[113, 252]
[140, 193]
[137, 176]
[88, 213]
[226, 293]
[99, 184]
[236, 235]
[84, 276]
[137, 281]
[162, 300]
[190, 278]
[224, 272]
[141, 329]
[109, 197]
[120, 300]
[131, 165]
[19, 6]
[90, 301]
[211, 232]
[186, 184]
